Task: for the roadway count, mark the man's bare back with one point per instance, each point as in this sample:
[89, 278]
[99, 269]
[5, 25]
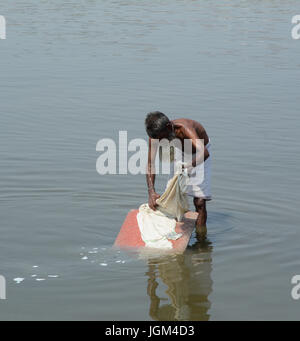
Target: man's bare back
[185, 128]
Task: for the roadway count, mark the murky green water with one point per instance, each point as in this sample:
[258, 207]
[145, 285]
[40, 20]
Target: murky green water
[73, 72]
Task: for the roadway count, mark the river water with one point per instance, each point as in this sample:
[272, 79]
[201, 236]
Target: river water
[77, 71]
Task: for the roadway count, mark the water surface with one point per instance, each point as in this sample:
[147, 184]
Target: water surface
[73, 72]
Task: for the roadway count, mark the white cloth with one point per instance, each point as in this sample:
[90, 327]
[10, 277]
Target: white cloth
[173, 202]
[158, 227]
[199, 179]
[198, 185]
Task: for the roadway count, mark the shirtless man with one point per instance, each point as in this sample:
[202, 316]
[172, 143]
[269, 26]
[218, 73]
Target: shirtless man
[158, 126]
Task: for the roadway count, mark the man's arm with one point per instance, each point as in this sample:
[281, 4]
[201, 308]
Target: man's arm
[150, 175]
[201, 151]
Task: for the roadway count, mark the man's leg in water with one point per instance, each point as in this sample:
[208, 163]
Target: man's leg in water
[200, 206]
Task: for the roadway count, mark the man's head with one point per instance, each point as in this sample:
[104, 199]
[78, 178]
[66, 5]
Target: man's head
[158, 126]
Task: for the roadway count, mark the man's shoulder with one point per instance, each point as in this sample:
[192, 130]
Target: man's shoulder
[186, 122]
[184, 126]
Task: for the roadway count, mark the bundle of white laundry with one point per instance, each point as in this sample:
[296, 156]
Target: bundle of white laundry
[158, 227]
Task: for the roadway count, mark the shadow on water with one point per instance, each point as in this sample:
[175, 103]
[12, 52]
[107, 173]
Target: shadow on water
[188, 280]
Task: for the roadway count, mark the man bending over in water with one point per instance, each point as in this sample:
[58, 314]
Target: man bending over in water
[159, 127]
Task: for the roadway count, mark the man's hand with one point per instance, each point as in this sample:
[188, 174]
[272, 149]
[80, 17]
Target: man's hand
[153, 196]
[188, 167]
[184, 165]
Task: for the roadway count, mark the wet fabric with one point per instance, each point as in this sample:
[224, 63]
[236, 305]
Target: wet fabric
[158, 227]
[199, 179]
[199, 183]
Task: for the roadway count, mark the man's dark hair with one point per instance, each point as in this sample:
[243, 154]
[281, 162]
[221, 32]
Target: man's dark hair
[156, 123]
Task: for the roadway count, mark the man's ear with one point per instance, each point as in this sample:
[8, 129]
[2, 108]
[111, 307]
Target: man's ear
[169, 125]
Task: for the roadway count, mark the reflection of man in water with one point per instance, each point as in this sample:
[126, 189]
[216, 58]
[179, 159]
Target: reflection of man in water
[188, 280]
